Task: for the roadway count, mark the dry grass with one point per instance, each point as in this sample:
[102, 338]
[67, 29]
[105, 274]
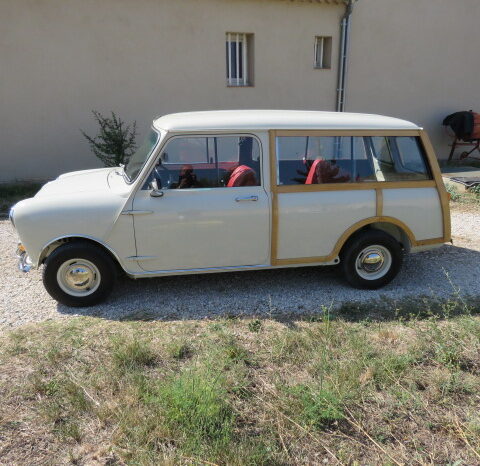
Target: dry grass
[88, 391]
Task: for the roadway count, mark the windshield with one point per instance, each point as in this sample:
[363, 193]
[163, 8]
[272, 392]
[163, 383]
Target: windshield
[141, 155]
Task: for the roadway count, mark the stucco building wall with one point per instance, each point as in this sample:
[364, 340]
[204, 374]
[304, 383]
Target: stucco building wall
[60, 59]
[415, 59]
[142, 58]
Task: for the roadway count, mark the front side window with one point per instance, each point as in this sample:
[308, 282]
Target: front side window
[349, 159]
[208, 162]
[319, 160]
[141, 155]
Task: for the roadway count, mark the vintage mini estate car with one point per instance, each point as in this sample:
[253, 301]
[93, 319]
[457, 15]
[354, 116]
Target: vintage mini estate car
[241, 190]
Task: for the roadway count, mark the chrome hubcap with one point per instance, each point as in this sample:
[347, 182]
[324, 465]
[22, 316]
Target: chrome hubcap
[78, 277]
[373, 262]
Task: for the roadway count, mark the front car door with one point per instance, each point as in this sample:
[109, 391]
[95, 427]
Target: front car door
[214, 212]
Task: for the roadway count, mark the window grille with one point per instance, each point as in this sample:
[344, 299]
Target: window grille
[323, 52]
[237, 54]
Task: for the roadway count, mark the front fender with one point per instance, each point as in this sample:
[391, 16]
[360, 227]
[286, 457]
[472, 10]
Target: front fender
[41, 221]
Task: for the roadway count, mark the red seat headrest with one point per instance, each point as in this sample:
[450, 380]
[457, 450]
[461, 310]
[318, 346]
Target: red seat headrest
[242, 176]
[312, 177]
[323, 171]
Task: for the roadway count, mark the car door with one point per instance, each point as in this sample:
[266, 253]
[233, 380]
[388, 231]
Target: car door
[214, 211]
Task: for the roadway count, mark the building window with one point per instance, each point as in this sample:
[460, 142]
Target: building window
[239, 59]
[323, 52]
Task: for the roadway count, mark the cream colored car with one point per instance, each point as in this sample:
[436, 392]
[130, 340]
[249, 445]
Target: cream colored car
[241, 190]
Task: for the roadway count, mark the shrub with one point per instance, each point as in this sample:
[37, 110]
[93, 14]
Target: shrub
[452, 190]
[115, 142]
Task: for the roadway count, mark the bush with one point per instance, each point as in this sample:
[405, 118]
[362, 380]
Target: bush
[115, 142]
[452, 190]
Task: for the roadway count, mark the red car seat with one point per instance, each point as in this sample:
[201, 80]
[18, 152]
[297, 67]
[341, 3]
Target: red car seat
[242, 176]
[312, 177]
[323, 171]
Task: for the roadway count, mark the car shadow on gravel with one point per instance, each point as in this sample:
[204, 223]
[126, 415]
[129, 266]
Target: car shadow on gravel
[426, 282]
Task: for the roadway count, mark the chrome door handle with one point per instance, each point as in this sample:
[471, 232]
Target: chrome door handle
[246, 198]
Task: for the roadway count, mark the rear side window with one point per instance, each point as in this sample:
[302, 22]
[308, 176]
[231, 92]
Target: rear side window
[349, 159]
[208, 162]
[399, 158]
[319, 160]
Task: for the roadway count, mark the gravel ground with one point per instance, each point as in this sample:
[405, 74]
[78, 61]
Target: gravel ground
[302, 290]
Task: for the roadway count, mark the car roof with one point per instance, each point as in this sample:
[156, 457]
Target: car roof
[233, 120]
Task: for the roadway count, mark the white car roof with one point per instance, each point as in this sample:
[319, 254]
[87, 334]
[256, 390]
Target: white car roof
[233, 120]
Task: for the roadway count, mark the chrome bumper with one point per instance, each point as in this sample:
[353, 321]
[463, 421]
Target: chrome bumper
[24, 262]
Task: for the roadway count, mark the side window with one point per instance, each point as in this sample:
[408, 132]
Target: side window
[208, 162]
[323, 160]
[399, 158]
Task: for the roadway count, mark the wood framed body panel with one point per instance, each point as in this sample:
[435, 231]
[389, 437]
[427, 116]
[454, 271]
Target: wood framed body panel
[378, 186]
[442, 192]
[305, 188]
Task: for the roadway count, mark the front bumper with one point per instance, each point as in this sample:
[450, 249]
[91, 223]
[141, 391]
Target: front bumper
[24, 262]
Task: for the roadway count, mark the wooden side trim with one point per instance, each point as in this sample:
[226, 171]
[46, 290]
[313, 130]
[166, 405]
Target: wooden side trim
[442, 192]
[427, 242]
[348, 132]
[344, 237]
[308, 188]
[273, 190]
[273, 160]
[379, 196]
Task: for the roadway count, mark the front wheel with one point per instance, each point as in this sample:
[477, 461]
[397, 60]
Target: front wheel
[371, 259]
[79, 274]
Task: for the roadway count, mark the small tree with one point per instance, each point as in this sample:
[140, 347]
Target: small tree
[115, 142]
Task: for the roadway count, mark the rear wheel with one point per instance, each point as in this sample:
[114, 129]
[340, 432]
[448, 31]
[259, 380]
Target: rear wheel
[79, 274]
[371, 259]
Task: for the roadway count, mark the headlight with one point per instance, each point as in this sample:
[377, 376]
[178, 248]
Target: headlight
[10, 216]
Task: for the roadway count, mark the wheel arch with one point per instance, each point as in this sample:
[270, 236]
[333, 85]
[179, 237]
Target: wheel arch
[394, 227]
[57, 242]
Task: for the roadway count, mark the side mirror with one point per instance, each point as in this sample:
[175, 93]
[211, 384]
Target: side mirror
[155, 190]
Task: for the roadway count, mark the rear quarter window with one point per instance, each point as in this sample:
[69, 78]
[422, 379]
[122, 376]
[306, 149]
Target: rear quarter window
[399, 158]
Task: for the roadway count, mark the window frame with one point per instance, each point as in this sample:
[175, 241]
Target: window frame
[324, 44]
[245, 62]
[278, 188]
[168, 139]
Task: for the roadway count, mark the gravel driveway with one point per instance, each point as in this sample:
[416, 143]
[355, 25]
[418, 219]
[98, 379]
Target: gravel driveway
[301, 290]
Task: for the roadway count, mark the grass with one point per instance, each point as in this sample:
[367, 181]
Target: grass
[10, 193]
[244, 391]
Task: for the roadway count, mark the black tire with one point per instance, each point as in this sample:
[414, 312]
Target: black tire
[98, 267]
[365, 276]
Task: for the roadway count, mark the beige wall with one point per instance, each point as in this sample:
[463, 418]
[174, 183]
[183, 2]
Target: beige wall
[415, 59]
[141, 58]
